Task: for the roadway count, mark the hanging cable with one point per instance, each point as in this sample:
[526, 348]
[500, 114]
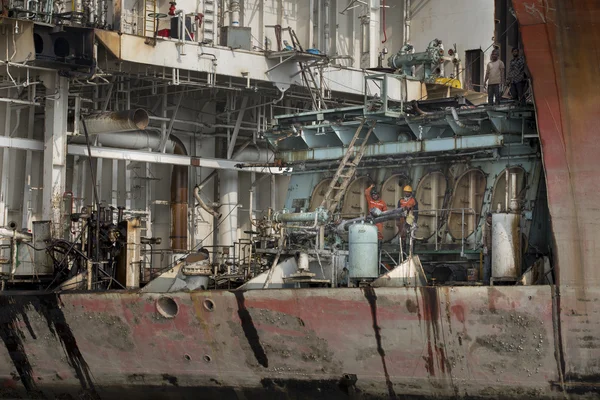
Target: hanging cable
[383, 22]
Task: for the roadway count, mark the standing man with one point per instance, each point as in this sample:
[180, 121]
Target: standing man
[516, 76]
[410, 206]
[486, 241]
[495, 75]
[374, 201]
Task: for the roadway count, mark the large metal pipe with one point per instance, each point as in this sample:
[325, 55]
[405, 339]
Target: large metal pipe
[179, 200]
[139, 140]
[117, 121]
[234, 8]
[474, 128]
[385, 216]
[319, 215]
[6, 232]
[228, 190]
[205, 206]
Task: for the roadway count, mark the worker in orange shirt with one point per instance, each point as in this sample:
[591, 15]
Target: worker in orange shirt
[408, 222]
[374, 201]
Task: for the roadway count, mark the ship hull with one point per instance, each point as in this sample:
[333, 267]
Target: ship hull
[441, 342]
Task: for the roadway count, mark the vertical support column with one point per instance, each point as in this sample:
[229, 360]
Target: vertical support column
[5, 170]
[374, 31]
[27, 203]
[128, 192]
[99, 172]
[228, 189]
[114, 200]
[55, 149]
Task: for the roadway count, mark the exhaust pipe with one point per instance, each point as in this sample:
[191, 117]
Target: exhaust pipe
[117, 121]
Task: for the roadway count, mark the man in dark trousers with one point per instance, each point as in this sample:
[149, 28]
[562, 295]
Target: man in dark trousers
[516, 76]
[495, 75]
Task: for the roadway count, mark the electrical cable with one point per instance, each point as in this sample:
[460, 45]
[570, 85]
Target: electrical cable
[96, 256]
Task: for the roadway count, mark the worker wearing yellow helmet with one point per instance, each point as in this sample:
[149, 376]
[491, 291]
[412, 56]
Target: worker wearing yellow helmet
[410, 208]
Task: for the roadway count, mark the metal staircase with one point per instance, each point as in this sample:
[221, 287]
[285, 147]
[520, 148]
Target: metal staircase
[314, 88]
[346, 169]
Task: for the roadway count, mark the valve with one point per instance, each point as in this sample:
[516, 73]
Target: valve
[172, 8]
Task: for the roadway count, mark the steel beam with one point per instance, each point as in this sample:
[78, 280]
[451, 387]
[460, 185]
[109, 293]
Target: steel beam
[55, 149]
[398, 148]
[238, 124]
[5, 169]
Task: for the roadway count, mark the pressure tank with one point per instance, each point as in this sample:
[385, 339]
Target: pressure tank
[363, 254]
[506, 247]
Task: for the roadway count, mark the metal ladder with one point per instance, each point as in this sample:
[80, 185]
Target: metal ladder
[208, 22]
[150, 20]
[315, 90]
[346, 169]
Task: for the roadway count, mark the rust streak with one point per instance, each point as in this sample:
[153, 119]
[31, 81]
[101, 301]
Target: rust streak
[371, 297]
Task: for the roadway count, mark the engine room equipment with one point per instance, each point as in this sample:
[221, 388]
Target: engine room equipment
[320, 215]
[363, 257]
[429, 59]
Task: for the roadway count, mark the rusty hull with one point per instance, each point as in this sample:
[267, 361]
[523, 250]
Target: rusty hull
[561, 47]
[439, 342]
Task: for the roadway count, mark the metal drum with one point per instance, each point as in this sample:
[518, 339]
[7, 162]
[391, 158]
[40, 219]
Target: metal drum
[363, 257]
[506, 246]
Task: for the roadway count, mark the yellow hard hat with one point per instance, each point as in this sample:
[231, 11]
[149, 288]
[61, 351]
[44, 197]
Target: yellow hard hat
[407, 188]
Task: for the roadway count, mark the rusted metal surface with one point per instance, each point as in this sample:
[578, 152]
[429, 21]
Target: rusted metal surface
[560, 41]
[312, 343]
[561, 44]
[179, 200]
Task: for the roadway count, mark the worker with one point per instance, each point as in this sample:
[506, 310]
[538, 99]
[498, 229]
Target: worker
[375, 202]
[495, 75]
[408, 222]
[516, 76]
[486, 241]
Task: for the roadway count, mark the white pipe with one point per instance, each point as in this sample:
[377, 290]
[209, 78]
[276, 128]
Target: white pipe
[407, 22]
[228, 190]
[138, 140]
[326, 30]
[6, 232]
[204, 206]
[506, 188]
[514, 203]
[374, 31]
[234, 8]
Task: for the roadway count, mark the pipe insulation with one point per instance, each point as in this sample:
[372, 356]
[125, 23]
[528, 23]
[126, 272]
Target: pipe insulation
[116, 121]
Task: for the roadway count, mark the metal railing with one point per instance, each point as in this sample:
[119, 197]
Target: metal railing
[437, 228]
